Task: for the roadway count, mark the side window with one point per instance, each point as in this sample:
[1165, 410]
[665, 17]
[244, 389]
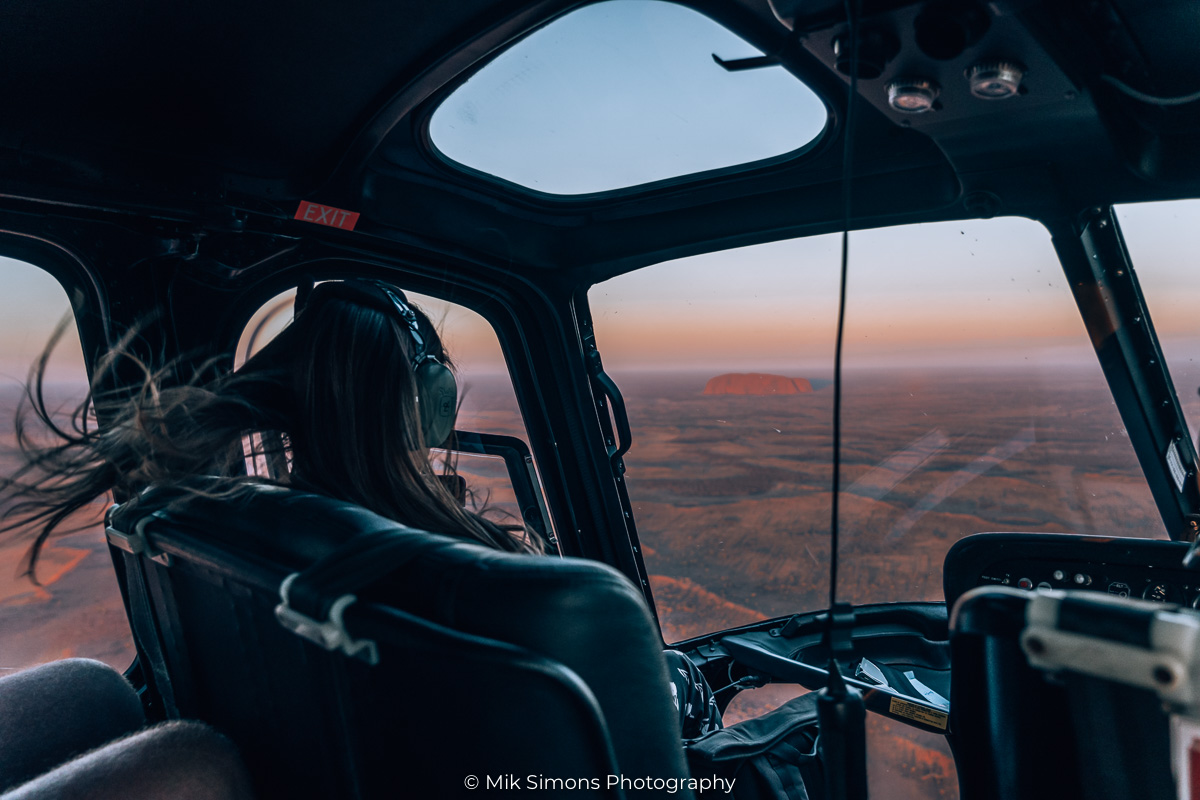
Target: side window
[1164, 245]
[492, 452]
[972, 402]
[76, 608]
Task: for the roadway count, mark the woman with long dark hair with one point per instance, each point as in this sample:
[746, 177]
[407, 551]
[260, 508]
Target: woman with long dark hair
[349, 399]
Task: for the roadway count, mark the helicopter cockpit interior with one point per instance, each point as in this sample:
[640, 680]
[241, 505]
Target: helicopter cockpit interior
[810, 336]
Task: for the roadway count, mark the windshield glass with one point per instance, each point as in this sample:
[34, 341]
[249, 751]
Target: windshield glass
[973, 402]
[623, 93]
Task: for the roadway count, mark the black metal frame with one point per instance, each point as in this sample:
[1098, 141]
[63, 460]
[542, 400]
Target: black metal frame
[1102, 279]
[522, 474]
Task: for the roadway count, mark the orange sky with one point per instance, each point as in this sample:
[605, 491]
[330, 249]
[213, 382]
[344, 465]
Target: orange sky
[957, 293]
[469, 339]
[981, 291]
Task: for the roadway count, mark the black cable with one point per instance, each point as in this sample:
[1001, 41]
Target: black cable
[841, 711]
[847, 172]
[1149, 98]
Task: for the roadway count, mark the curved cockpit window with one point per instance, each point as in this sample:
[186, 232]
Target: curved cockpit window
[620, 94]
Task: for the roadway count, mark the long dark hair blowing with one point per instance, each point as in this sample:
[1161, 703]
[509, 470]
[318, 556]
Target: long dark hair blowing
[335, 392]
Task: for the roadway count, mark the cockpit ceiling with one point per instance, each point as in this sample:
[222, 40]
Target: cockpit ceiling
[269, 90]
[193, 111]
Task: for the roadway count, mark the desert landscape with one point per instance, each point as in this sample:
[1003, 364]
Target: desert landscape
[731, 492]
[75, 608]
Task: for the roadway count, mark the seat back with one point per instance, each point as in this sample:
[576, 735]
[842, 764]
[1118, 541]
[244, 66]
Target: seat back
[1010, 728]
[1059, 725]
[495, 665]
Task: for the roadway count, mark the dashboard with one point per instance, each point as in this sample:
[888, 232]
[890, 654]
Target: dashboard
[1148, 569]
[901, 653]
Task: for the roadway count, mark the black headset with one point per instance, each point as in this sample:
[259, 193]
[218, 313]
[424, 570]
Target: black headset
[437, 392]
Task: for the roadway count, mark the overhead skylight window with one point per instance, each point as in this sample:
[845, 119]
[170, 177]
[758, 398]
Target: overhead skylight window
[619, 94]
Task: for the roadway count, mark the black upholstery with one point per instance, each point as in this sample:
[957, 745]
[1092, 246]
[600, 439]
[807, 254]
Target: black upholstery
[53, 712]
[490, 663]
[1021, 733]
[1011, 729]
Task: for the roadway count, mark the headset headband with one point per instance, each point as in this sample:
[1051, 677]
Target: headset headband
[400, 302]
[382, 297]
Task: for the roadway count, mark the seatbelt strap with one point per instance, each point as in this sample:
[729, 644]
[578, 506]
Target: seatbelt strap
[146, 633]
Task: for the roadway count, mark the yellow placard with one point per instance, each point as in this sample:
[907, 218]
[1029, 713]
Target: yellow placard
[927, 716]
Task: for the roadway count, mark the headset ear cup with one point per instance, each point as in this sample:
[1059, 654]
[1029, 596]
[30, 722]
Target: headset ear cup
[438, 396]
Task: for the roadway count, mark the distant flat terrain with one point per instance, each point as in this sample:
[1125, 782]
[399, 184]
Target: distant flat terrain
[731, 493]
[77, 609]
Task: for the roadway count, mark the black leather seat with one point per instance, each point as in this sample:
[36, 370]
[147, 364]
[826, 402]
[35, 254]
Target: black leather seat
[489, 664]
[1053, 733]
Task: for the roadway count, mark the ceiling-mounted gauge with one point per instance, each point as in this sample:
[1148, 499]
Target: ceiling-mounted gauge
[995, 80]
[912, 95]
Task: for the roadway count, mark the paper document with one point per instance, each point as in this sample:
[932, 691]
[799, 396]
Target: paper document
[871, 672]
[926, 692]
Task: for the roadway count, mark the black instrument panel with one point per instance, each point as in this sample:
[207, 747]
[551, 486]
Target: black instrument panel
[1150, 569]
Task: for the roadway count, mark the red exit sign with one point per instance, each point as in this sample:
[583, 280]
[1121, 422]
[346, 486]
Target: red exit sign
[327, 215]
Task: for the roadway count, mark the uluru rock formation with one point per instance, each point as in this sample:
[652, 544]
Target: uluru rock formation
[756, 383]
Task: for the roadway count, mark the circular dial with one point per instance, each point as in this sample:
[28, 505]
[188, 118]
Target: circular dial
[1158, 592]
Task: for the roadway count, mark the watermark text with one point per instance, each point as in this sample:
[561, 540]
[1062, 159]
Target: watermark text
[534, 783]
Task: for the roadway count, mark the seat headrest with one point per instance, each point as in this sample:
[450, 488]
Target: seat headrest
[295, 528]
